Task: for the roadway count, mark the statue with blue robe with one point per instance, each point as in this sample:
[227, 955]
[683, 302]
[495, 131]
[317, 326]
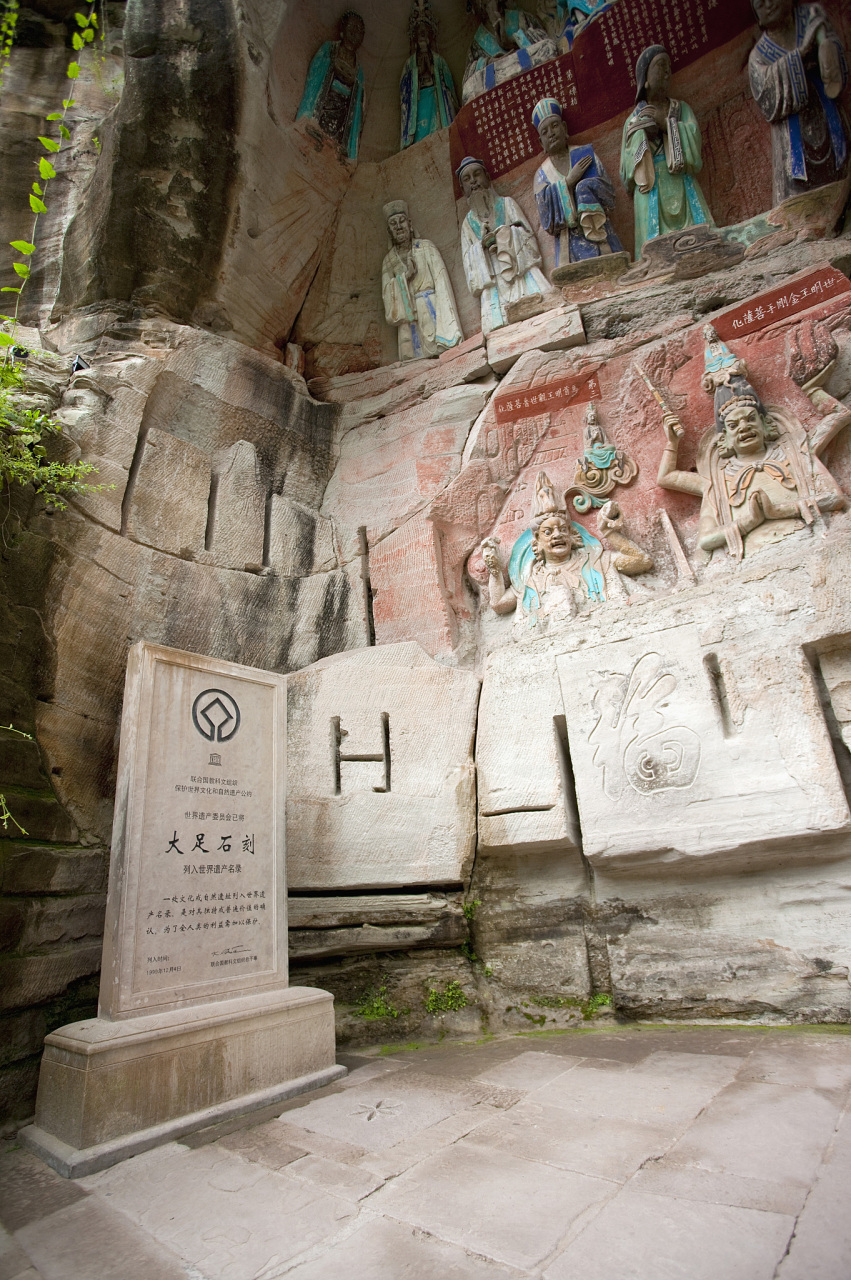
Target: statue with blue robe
[416, 289]
[660, 154]
[556, 568]
[427, 90]
[502, 258]
[573, 192]
[502, 31]
[797, 71]
[333, 94]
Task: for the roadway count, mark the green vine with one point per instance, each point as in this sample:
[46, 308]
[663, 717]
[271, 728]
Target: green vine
[23, 430]
[5, 816]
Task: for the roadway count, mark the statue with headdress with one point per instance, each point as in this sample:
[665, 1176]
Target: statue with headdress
[503, 30]
[502, 259]
[557, 567]
[427, 90]
[333, 93]
[573, 192]
[601, 467]
[417, 292]
[660, 154]
[759, 476]
[797, 71]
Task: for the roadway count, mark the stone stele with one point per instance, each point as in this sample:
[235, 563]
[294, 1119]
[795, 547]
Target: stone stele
[196, 1020]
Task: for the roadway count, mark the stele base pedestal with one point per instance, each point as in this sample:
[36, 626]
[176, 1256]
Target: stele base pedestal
[109, 1090]
[196, 1021]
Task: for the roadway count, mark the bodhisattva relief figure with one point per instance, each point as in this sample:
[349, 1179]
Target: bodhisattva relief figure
[333, 94]
[502, 261]
[557, 567]
[501, 30]
[797, 71]
[759, 476]
[601, 467]
[660, 154]
[427, 90]
[573, 191]
[418, 297]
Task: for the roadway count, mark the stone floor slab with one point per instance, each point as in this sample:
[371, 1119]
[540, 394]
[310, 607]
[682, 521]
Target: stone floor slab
[645, 1237]
[342, 1179]
[509, 1210]
[770, 1131]
[377, 1115]
[14, 1263]
[821, 1246]
[230, 1219]
[627, 1095]
[707, 1068]
[385, 1250]
[264, 1145]
[29, 1190]
[594, 1145]
[817, 1062]
[91, 1241]
[528, 1070]
[689, 1183]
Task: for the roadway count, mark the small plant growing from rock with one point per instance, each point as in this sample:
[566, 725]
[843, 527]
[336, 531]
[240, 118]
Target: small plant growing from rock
[449, 999]
[374, 1004]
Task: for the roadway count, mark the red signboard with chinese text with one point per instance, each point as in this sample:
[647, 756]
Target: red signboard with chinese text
[777, 304]
[511, 406]
[596, 80]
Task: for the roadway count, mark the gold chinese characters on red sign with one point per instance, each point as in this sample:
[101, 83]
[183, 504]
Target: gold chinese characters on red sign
[511, 406]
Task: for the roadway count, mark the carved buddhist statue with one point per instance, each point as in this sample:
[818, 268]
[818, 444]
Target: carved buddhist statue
[502, 30]
[333, 94]
[418, 297]
[427, 90]
[797, 72]
[573, 191]
[502, 260]
[660, 154]
[758, 475]
[557, 567]
[601, 467]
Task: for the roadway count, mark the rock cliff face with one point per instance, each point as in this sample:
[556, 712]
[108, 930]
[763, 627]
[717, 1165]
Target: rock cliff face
[329, 523]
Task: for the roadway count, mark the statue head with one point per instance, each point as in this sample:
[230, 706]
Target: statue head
[548, 120]
[593, 429]
[652, 73]
[553, 535]
[399, 224]
[422, 27]
[773, 13]
[743, 425]
[473, 176]
[351, 30]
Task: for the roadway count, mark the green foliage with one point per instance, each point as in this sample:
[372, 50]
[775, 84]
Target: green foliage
[598, 1001]
[5, 816]
[8, 26]
[470, 907]
[586, 1007]
[450, 998]
[374, 1004]
[23, 456]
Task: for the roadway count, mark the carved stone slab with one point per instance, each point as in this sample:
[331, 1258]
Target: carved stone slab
[673, 766]
[381, 785]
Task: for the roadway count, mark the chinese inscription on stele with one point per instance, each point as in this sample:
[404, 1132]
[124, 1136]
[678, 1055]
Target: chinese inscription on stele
[197, 891]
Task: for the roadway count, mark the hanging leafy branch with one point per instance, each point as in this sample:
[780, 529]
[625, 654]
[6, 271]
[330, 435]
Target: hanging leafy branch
[23, 430]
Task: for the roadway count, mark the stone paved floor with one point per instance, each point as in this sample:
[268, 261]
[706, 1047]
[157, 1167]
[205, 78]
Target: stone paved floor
[646, 1153]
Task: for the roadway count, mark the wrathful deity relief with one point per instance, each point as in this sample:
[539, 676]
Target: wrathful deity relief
[601, 467]
[502, 30]
[556, 568]
[427, 91]
[333, 94]
[660, 154]
[418, 297]
[502, 260]
[758, 476]
[573, 191]
[797, 72]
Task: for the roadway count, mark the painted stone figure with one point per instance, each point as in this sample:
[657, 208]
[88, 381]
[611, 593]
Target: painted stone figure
[502, 30]
[758, 475]
[573, 191]
[502, 261]
[427, 90]
[333, 94]
[797, 72]
[418, 297]
[557, 567]
[660, 154]
[601, 467]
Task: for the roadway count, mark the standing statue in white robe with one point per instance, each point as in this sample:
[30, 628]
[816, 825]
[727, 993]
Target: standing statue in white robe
[418, 297]
[502, 260]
